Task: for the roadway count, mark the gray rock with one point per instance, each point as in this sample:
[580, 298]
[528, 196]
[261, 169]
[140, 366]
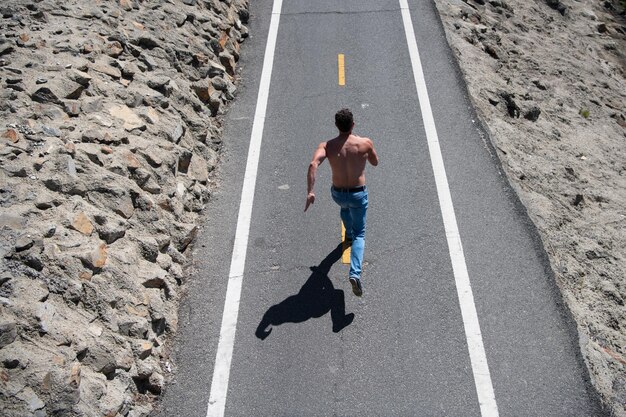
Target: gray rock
[110, 229]
[142, 348]
[184, 160]
[198, 170]
[558, 6]
[219, 83]
[533, 114]
[160, 84]
[103, 67]
[183, 235]
[148, 248]
[133, 326]
[177, 133]
[156, 382]
[8, 333]
[45, 315]
[511, 106]
[79, 77]
[57, 89]
[51, 131]
[228, 61]
[31, 399]
[24, 242]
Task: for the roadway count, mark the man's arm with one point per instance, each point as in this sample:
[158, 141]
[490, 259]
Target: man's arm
[318, 158]
[372, 156]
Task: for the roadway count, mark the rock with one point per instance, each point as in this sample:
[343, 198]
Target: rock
[511, 106]
[184, 160]
[533, 114]
[164, 261]
[205, 90]
[33, 402]
[57, 89]
[133, 326]
[49, 231]
[82, 224]
[156, 382]
[147, 41]
[131, 161]
[142, 349]
[98, 136]
[152, 276]
[219, 83]
[51, 131]
[45, 315]
[149, 248]
[228, 61]
[101, 359]
[11, 135]
[558, 6]
[150, 115]
[46, 200]
[8, 333]
[198, 170]
[74, 378]
[113, 49]
[183, 235]
[130, 119]
[126, 5]
[95, 258]
[176, 133]
[24, 242]
[215, 70]
[79, 77]
[16, 169]
[6, 48]
[110, 230]
[104, 68]
[160, 84]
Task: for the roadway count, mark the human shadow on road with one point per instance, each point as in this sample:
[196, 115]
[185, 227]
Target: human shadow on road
[316, 298]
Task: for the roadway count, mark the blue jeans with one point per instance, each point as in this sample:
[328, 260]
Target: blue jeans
[353, 211]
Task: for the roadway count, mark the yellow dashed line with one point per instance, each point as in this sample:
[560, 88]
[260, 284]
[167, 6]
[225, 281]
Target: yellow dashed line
[341, 69]
[345, 256]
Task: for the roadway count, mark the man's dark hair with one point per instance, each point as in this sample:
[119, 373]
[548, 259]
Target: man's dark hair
[344, 120]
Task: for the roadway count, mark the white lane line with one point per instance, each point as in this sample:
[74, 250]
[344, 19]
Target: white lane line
[478, 359]
[221, 371]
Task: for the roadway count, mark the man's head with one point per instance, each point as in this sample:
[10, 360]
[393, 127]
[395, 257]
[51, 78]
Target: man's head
[344, 120]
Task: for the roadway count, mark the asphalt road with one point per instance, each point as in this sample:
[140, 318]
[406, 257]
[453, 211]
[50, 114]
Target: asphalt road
[405, 351]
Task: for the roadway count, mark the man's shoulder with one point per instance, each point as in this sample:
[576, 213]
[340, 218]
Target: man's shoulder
[364, 139]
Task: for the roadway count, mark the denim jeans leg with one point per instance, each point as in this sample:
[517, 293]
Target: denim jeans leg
[346, 218]
[358, 240]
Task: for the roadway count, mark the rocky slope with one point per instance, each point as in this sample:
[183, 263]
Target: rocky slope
[548, 80]
[110, 128]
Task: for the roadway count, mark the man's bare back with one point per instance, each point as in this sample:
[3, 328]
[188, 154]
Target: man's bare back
[347, 157]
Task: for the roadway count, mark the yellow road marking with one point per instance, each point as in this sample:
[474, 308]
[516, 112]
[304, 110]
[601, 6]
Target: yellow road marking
[345, 256]
[342, 69]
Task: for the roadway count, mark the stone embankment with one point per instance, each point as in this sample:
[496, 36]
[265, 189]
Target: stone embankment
[548, 80]
[110, 128]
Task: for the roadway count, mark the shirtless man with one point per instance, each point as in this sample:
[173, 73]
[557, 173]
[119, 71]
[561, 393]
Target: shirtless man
[347, 155]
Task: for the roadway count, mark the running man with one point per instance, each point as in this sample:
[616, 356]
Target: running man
[347, 155]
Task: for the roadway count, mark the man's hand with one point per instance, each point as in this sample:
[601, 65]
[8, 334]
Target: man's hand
[310, 199]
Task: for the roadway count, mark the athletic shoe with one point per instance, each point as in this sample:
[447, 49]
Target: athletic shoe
[357, 288]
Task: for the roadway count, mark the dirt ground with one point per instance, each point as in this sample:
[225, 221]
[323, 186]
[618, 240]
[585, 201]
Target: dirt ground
[547, 78]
